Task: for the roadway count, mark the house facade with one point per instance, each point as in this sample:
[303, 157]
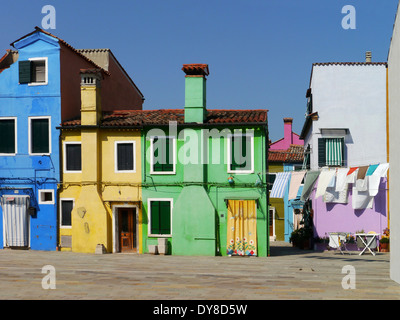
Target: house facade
[39, 88]
[284, 155]
[394, 147]
[345, 132]
[193, 197]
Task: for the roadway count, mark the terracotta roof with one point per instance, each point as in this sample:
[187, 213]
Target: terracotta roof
[127, 118]
[196, 69]
[295, 153]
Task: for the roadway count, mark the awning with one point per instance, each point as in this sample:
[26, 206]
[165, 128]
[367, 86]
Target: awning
[278, 189]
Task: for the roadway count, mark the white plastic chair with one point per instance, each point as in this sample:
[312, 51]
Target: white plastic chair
[337, 240]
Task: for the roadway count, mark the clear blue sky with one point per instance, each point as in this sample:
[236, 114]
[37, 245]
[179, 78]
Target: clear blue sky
[259, 52]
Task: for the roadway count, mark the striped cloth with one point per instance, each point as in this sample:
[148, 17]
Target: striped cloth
[279, 187]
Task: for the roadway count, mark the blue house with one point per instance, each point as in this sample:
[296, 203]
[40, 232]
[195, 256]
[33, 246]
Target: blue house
[39, 88]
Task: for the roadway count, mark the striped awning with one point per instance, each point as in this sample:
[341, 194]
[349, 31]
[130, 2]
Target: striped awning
[334, 151]
[279, 187]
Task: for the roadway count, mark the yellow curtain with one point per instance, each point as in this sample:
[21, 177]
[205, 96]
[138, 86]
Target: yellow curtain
[242, 228]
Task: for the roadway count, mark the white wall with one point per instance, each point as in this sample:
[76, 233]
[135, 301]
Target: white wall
[351, 97]
[394, 148]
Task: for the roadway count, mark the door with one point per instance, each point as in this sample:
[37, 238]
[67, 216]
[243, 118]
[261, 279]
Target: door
[242, 228]
[127, 229]
[272, 224]
[16, 220]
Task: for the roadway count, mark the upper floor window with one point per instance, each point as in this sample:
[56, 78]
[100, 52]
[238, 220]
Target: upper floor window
[8, 134]
[72, 157]
[241, 153]
[33, 71]
[162, 159]
[125, 156]
[331, 152]
[39, 135]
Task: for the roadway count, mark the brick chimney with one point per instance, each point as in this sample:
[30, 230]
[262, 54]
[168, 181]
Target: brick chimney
[195, 92]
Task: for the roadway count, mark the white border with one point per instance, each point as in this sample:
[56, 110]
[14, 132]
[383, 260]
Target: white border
[251, 134]
[40, 196]
[65, 157]
[149, 234]
[29, 135]
[73, 206]
[173, 155]
[45, 59]
[116, 143]
[15, 135]
[115, 231]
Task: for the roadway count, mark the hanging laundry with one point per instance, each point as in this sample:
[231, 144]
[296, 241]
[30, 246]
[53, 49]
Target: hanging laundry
[333, 196]
[309, 182]
[371, 169]
[361, 199]
[361, 181]
[341, 175]
[324, 179]
[375, 178]
[278, 189]
[352, 175]
[362, 171]
[295, 182]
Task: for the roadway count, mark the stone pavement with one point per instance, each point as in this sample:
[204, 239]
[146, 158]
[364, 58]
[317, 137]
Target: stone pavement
[289, 273]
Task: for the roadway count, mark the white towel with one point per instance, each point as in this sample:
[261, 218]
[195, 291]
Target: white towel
[375, 178]
[295, 182]
[341, 175]
[362, 184]
[333, 196]
[351, 178]
[324, 180]
[361, 199]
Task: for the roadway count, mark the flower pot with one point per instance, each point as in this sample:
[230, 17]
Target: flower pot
[384, 247]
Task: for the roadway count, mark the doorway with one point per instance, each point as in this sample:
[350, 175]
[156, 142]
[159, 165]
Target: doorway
[127, 229]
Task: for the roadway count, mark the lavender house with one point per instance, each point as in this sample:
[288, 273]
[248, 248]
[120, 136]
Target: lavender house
[345, 139]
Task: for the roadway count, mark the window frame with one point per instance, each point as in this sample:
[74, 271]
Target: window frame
[229, 152]
[41, 191]
[46, 82]
[152, 155]
[65, 156]
[15, 136]
[61, 212]
[325, 138]
[149, 200]
[30, 135]
[116, 143]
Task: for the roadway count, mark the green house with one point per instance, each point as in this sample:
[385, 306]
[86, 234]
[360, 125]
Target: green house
[204, 188]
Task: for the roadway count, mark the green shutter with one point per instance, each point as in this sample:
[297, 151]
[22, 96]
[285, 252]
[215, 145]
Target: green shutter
[157, 166]
[25, 71]
[321, 152]
[334, 151]
[241, 160]
[169, 159]
[165, 217]
[40, 136]
[164, 154]
[7, 134]
[155, 217]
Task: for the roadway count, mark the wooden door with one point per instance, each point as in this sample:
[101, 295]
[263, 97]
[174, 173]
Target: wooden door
[127, 229]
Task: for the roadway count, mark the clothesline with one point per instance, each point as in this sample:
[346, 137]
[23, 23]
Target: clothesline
[333, 184]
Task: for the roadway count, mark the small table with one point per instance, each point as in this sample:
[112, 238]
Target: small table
[368, 240]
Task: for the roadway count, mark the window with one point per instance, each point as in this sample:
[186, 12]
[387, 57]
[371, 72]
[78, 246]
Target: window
[160, 216]
[240, 153]
[8, 134]
[33, 71]
[330, 152]
[163, 159]
[72, 157]
[39, 130]
[66, 206]
[270, 180]
[125, 156]
[46, 196]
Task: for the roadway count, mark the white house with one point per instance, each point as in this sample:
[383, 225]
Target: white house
[346, 127]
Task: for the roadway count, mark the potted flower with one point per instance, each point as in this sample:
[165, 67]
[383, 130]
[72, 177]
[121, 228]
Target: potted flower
[384, 244]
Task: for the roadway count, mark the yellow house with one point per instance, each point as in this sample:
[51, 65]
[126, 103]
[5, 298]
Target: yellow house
[100, 193]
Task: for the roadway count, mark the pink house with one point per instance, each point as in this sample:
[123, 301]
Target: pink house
[288, 139]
